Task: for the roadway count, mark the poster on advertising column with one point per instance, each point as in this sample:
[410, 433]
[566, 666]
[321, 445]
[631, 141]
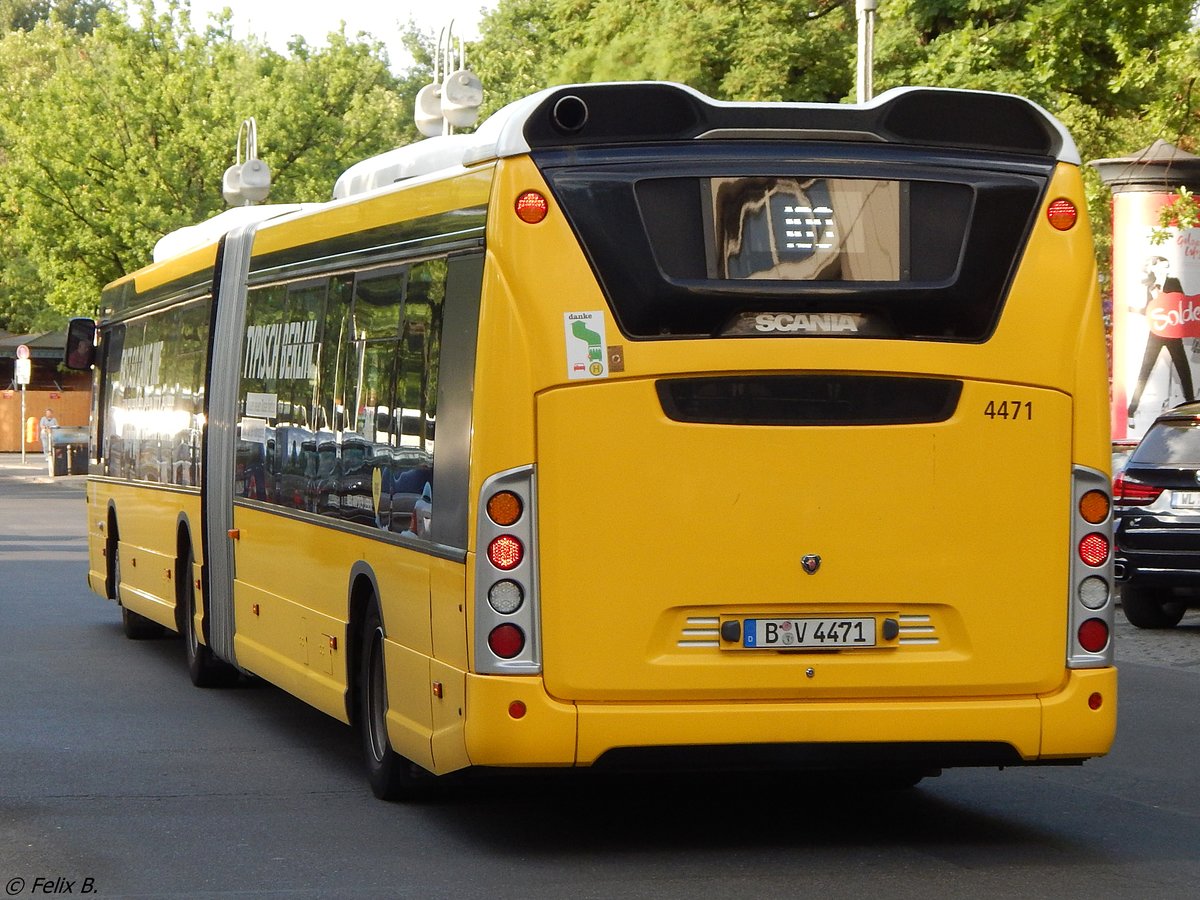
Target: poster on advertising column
[1156, 314]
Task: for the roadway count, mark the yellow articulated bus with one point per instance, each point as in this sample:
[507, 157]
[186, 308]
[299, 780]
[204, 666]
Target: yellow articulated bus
[637, 429]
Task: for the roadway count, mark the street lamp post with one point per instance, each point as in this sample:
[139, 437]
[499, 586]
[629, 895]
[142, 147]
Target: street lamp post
[865, 11]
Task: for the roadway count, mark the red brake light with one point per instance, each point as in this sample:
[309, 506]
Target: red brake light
[505, 552]
[1062, 214]
[506, 640]
[1093, 549]
[531, 207]
[1093, 635]
[1128, 492]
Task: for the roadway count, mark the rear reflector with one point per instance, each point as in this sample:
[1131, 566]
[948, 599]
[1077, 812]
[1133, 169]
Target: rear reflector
[1093, 635]
[506, 641]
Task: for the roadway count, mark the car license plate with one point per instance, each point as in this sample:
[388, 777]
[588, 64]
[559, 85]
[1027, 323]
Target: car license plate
[1185, 499]
[795, 634]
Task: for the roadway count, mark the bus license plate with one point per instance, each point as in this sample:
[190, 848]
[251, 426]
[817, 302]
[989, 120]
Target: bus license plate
[793, 634]
[1185, 499]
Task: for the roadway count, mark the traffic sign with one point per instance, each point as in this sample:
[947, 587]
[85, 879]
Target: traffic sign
[23, 351]
[24, 368]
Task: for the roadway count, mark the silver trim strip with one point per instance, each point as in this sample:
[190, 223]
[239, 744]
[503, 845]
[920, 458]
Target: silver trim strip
[221, 438]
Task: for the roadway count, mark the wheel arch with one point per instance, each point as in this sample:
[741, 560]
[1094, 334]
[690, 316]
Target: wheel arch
[185, 550]
[112, 537]
[363, 594]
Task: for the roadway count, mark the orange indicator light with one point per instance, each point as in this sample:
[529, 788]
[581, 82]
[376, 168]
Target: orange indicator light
[1093, 506]
[504, 508]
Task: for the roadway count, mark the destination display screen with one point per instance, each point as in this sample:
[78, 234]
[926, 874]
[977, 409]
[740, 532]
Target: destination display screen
[805, 229]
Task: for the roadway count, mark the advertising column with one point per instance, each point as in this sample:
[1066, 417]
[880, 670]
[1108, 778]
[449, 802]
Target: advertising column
[1155, 289]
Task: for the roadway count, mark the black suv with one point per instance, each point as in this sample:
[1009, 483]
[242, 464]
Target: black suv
[1157, 503]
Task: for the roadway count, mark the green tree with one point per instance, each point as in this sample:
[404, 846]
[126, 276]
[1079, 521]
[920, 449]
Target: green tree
[123, 134]
[24, 15]
[751, 50]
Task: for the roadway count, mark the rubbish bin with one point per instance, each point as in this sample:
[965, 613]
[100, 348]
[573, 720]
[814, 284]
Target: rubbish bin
[68, 450]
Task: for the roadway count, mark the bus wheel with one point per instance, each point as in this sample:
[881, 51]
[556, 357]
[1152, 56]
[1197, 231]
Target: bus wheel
[205, 669]
[135, 627]
[392, 777]
[1150, 608]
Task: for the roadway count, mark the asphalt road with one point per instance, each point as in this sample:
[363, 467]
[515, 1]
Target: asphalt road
[119, 779]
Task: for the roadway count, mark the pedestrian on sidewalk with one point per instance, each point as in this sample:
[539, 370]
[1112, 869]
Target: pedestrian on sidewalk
[45, 423]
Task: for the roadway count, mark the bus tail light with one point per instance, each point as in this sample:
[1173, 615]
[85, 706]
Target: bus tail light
[507, 621]
[1062, 214]
[531, 207]
[505, 552]
[506, 640]
[1093, 549]
[1090, 601]
[1093, 635]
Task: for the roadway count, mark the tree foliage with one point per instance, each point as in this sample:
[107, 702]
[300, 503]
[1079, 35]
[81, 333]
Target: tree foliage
[123, 133]
[25, 15]
[747, 50]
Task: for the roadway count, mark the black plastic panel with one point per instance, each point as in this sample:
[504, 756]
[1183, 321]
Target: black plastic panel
[809, 400]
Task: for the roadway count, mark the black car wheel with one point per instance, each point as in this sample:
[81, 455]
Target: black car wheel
[1150, 607]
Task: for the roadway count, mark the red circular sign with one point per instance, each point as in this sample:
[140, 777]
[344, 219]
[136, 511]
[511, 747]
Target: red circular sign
[23, 351]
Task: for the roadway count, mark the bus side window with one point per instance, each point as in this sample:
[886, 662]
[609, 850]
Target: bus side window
[367, 477]
[111, 438]
[415, 412]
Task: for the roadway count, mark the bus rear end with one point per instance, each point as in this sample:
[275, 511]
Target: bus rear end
[797, 418]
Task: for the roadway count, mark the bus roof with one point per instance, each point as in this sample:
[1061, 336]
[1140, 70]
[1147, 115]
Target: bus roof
[640, 112]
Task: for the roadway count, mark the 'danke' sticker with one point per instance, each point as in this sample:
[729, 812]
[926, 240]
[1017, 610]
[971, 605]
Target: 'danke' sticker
[587, 350]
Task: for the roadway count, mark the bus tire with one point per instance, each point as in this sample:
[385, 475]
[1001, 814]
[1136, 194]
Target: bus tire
[139, 628]
[204, 668]
[1147, 607]
[135, 627]
[392, 776]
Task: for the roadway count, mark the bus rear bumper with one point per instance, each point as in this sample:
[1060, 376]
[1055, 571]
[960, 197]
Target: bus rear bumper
[1058, 728]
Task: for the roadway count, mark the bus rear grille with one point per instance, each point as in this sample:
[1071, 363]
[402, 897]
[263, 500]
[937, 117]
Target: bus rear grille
[918, 630]
[809, 399]
[700, 631]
